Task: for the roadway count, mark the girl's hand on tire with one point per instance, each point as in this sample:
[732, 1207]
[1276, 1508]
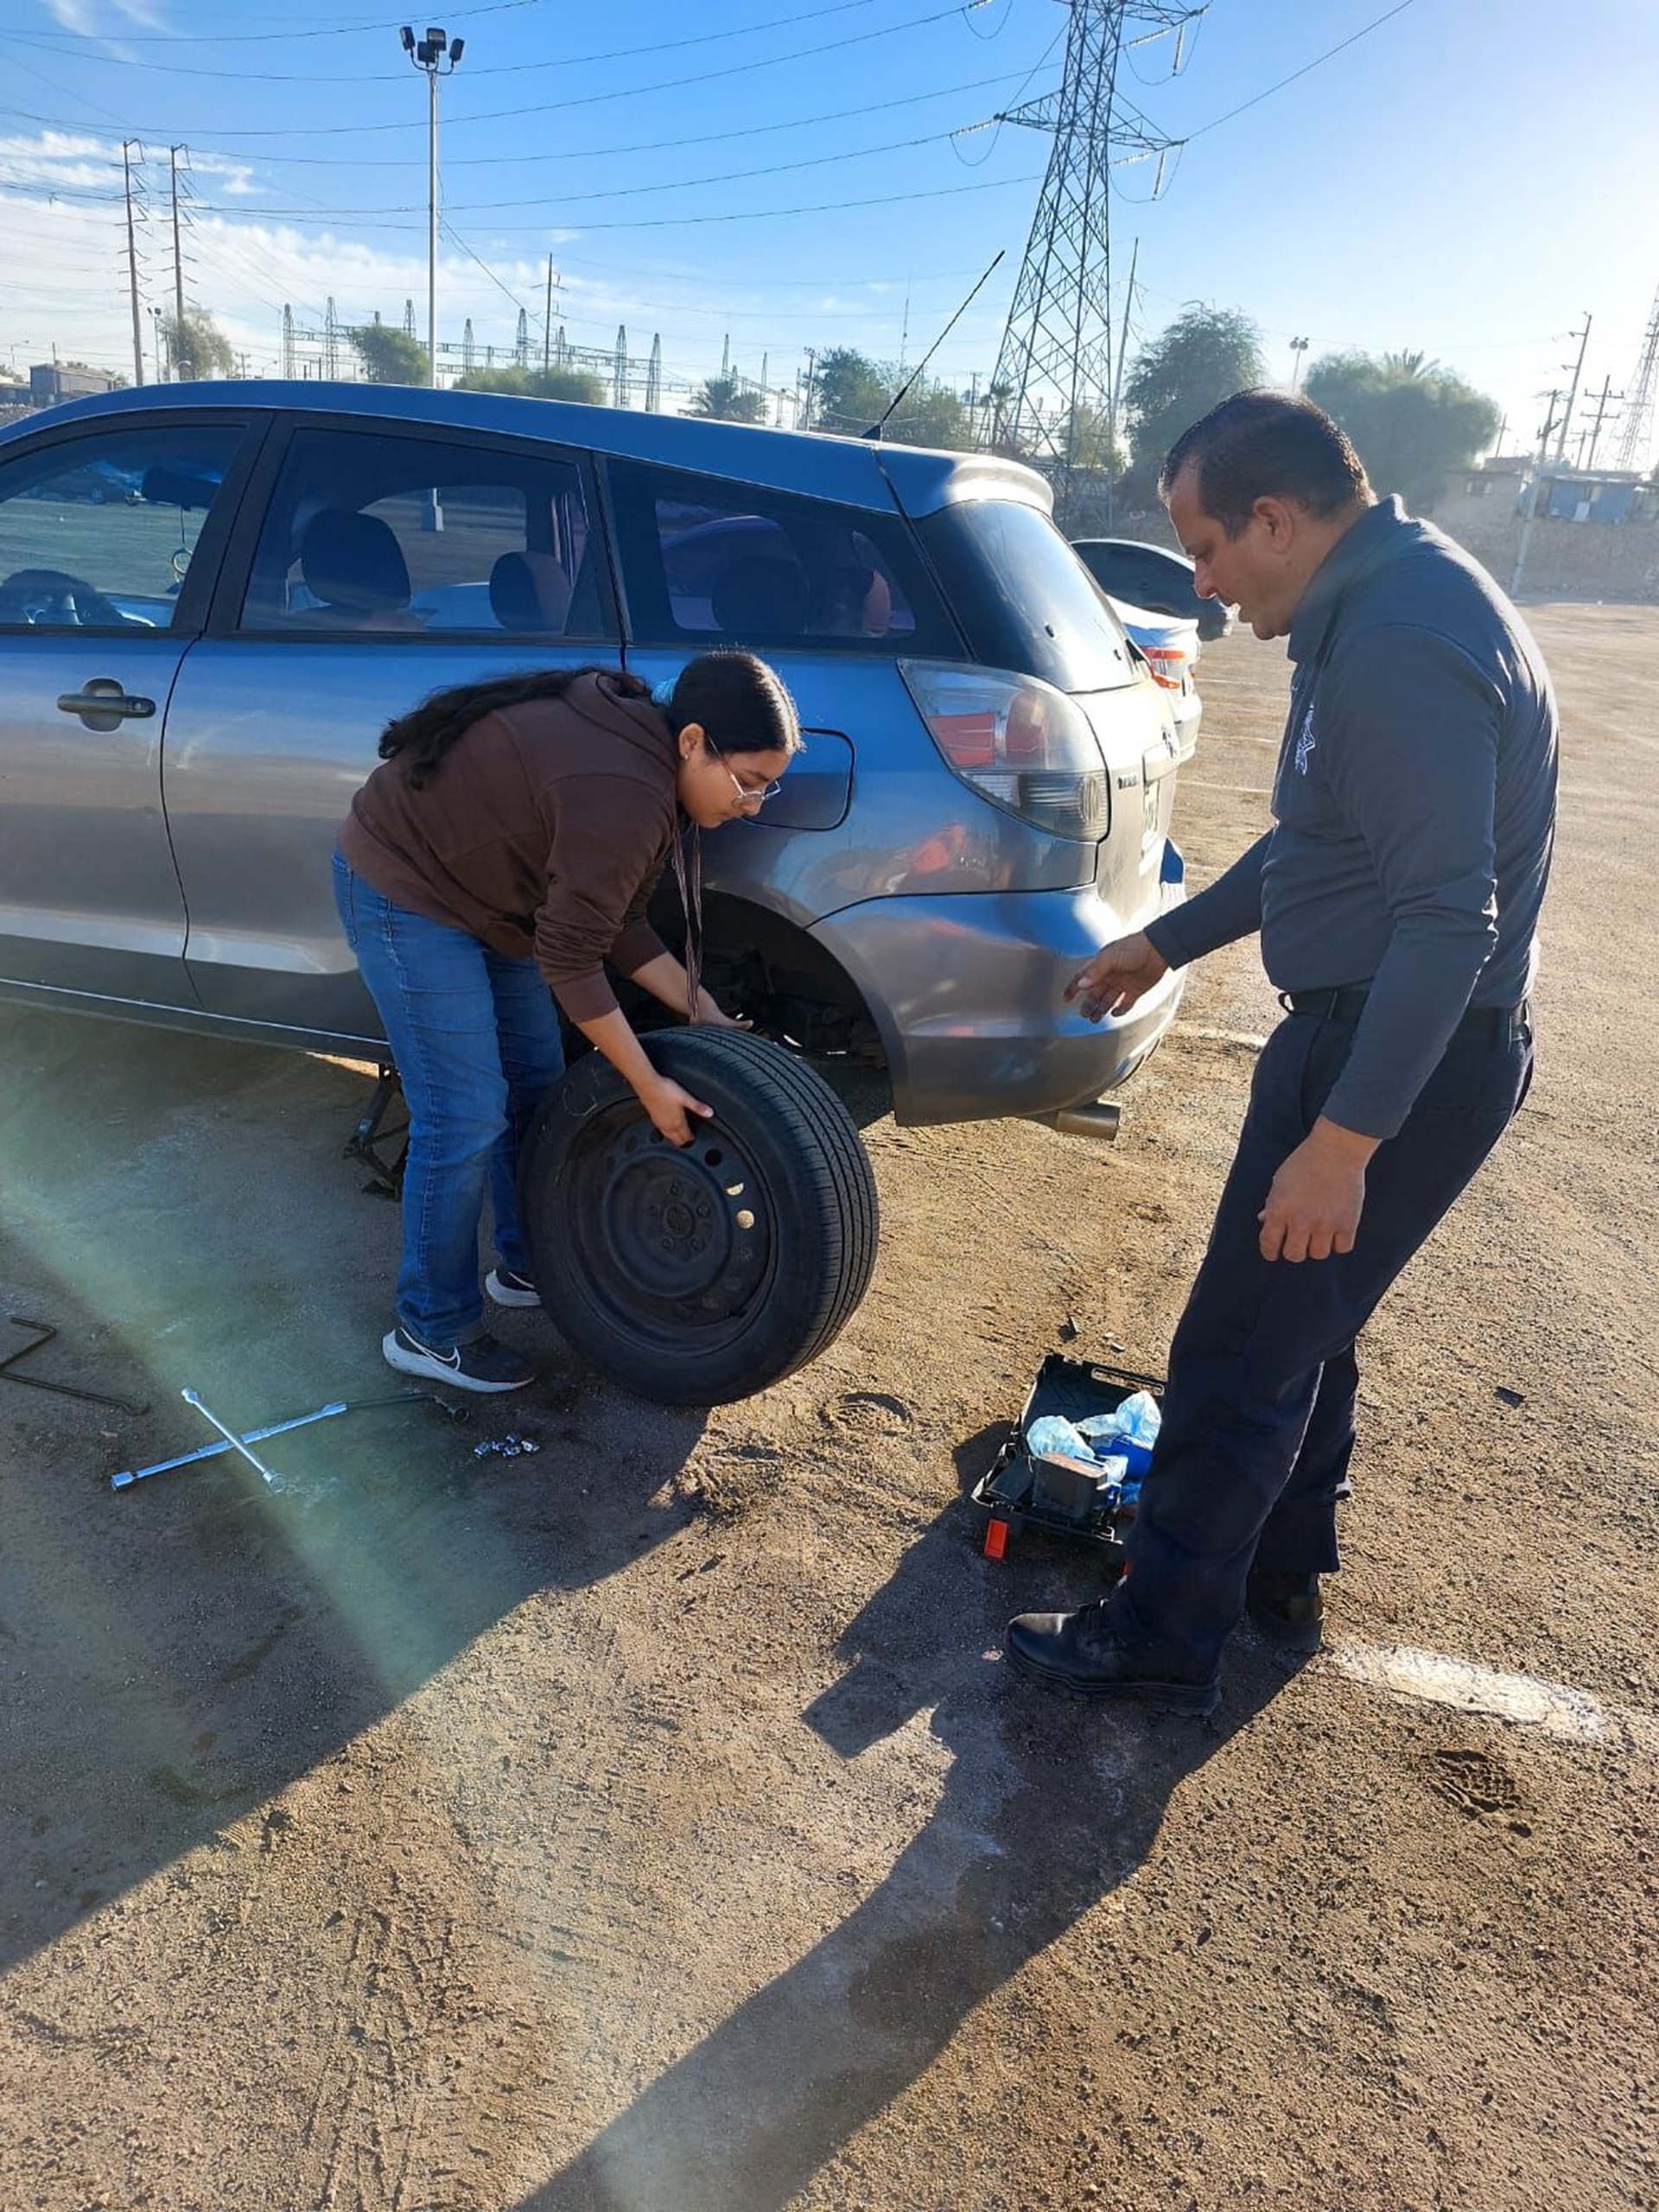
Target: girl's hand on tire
[671, 1109]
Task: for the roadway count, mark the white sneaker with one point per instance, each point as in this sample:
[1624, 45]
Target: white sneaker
[482, 1364]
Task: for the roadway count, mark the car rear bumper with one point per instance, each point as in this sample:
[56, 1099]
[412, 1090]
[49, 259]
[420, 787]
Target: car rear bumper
[966, 993]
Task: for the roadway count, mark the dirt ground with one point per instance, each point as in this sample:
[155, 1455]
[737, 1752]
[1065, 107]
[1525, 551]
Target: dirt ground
[651, 1826]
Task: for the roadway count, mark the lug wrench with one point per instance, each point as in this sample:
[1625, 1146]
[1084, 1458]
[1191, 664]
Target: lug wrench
[212, 1450]
[128, 1476]
[272, 1479]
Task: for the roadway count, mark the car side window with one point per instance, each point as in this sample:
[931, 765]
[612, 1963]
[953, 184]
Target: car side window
[372, 532]
[96, 531]
[710, 562]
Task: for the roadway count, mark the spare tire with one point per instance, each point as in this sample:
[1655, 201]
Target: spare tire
[695, 1274]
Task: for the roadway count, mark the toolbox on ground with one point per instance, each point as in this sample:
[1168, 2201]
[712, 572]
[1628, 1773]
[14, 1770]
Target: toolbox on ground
[1023, 1491]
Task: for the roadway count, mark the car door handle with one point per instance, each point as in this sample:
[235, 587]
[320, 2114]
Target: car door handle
[103, 703]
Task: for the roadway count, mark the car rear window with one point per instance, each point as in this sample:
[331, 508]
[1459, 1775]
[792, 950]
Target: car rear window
[1023, 597]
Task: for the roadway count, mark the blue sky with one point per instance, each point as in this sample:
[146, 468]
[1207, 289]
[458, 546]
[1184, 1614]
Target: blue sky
[1469, 177]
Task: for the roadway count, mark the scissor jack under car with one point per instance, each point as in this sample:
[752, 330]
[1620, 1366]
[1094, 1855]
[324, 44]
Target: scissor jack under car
[380, 1140]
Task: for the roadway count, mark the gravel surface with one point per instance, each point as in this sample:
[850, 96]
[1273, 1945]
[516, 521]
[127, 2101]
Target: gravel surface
[650, 1825]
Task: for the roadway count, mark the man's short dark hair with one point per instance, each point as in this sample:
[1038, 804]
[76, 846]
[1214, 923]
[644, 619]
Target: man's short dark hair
[1267, 445]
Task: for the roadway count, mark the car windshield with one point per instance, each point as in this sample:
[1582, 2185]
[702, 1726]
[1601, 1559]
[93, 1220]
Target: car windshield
[1025, 599]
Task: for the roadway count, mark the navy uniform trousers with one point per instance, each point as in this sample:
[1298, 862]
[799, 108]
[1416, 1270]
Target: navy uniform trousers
[1259, 1416]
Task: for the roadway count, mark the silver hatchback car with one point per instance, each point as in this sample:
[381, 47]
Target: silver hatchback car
[193, 683]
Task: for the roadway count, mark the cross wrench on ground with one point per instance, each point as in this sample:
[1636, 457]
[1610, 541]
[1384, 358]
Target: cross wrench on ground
[212, 1450]
[272, 1479]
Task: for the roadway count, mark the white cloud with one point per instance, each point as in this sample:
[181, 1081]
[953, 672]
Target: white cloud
[66, 279]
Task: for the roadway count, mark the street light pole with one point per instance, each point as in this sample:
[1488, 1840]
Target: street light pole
[430, 55]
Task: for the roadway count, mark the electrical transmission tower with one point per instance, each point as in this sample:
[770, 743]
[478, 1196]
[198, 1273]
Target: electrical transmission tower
[1635, 434]
[1054, 372]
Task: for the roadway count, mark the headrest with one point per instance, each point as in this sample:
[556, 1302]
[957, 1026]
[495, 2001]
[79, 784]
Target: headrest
[354, 561]
[529, 591]
[758, 597]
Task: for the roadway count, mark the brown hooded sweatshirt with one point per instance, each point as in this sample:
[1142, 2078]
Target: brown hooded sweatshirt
[543, 831]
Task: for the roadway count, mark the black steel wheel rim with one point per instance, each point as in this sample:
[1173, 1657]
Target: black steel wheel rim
[669, 1241]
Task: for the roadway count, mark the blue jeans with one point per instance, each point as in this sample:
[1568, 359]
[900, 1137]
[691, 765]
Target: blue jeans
[475, 1036]
[1259, 1415]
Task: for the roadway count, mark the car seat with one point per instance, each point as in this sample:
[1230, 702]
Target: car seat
[760, 598]
[353, 567]
[531, 591]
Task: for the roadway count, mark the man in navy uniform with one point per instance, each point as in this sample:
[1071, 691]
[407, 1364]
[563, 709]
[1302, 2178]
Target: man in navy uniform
[1397, 898]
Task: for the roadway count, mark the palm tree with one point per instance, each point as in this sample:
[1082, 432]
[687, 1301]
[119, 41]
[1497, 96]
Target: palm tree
[723, 399]
[1410, 368]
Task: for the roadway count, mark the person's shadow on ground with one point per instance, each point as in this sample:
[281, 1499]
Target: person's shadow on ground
[1050, 1804]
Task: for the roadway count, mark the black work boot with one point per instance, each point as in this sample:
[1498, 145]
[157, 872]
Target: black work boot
[1287, 1608]
[1081, 1653]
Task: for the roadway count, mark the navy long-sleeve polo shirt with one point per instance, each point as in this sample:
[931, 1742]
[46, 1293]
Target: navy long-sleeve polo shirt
[1414, 807]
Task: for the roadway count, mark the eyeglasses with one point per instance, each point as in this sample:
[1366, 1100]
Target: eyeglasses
[745, 792]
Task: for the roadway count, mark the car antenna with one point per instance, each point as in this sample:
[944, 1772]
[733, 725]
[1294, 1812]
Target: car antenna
[876, 429]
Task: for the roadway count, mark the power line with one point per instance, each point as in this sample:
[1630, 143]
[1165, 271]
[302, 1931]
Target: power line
[642, 146]
[633, 191]
[310, 26]
[584, 99]
[1256, 98]
[735, 215]
[501, 69]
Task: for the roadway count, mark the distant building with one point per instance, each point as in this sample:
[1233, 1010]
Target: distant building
[50, 382]
[1503, 486]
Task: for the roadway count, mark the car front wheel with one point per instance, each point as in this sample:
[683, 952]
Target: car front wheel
[695, 1275]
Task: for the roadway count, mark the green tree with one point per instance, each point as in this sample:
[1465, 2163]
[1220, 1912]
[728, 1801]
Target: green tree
[579, 385]
[1088, 443]
[931, 415]
[726, 399]
[849, 391]
[1203, 358]
[197, 346]
[388, 356]
[1411, 421]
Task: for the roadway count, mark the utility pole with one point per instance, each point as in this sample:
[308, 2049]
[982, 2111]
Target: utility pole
[547, 326]
[430, 55]
[127, 145]
[1583, 337]
[180, 350]
[1538, 467]
[1605, 394]
[1123, 348]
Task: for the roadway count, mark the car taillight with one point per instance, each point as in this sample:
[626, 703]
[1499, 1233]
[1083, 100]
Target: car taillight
[1168, 666]
[1024, 744]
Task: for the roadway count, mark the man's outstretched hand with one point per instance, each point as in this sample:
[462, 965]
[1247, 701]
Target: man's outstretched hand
[1119, 974]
